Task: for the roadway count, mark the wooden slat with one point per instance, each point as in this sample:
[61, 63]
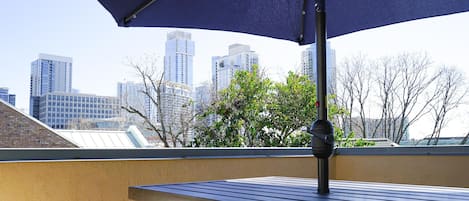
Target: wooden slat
[394, 190]
[287, 188]
[436, 193]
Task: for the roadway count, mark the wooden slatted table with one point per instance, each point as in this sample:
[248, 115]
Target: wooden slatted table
[289, 188]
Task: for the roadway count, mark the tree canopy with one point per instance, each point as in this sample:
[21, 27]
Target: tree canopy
[255, 111]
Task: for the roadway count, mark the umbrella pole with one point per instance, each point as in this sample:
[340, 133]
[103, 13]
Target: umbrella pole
[321, 83]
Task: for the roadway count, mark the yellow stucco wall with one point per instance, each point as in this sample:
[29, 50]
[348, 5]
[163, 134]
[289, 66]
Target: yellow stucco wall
[425, 170]
[109, 180]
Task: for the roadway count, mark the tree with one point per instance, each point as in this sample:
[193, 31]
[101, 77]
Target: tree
[239, 112]
[450, 90]
[415, 79]
[464, 140]
[386, 87]
[356, 85]
[290, 108]
[255, 112]
[168, 117]
[403, 89]
[346, 97]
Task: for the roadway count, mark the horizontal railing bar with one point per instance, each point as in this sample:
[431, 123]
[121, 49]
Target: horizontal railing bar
[41, 154]
[412, 151]
[81, 154]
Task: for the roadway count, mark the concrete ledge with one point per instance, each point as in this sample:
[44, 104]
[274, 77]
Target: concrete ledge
[40, 154]
[126, 154]
[406, 151]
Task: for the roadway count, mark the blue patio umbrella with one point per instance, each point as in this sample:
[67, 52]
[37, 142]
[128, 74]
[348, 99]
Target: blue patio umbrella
[301, 21]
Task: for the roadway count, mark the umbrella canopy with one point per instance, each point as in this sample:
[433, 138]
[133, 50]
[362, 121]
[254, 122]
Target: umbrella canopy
[282, 19]
[301, 21]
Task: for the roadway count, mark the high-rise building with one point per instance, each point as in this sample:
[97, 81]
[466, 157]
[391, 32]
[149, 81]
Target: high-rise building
[132, 94]
[49, 73]
[9, 98]
[178, 58]
[240, 57]
[59, 110]
[202, 97]
[308, 66]
[175, 102]
[176, 108]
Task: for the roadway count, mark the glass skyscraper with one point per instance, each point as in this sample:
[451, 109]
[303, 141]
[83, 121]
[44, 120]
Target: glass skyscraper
[178, 58]
[9, 98]
[308, 66]
[176, 89]
[49, 73]
[132, 94]
[240, 57]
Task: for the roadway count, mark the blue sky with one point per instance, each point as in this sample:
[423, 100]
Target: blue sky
[85, 31]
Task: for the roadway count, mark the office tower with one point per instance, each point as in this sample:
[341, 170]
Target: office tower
[59, 110]
[9, 98]
[240, 57]
[308, 66]
[49, 73]
[178, 58]
[176, 107]
[132, 94]
[202, 97]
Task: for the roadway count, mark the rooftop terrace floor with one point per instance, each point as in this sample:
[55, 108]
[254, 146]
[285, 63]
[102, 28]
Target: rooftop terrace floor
[290, 188]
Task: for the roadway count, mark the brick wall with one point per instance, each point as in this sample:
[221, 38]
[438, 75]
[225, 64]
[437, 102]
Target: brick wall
[18, 130]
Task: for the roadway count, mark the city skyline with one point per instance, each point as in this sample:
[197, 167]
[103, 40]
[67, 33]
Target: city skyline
[101, 50]
[49, 73]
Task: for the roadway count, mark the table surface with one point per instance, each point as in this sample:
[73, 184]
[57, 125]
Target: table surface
[291, 188]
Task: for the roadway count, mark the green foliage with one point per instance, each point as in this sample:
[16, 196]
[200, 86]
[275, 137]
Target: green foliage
[363, 143]
[341, 140]
[239, 112]
[291, 107]
[299, 139]
[350, 140]
[253, 111]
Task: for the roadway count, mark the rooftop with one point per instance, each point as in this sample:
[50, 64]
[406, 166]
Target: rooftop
[132, 138]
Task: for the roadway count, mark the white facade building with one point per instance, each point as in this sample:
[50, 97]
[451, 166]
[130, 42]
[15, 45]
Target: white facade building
[240, 57]
[58, 109]
[308, 66]
[176, 108]
[178, 60]
[49, 73]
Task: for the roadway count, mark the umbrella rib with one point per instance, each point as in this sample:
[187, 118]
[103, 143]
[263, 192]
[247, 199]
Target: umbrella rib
[302, 25]
[137, 10]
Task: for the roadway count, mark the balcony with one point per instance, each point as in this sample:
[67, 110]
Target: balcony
[88, 174]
